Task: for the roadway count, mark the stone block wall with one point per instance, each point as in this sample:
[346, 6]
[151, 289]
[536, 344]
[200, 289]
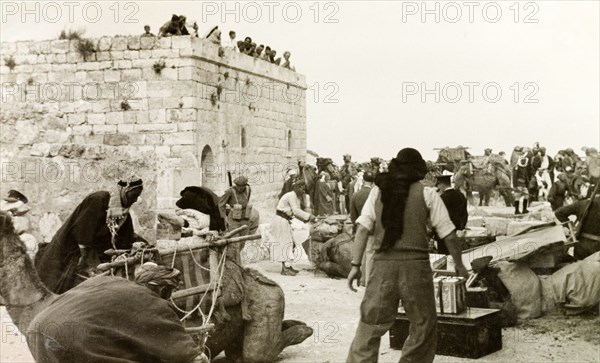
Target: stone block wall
[194, 111]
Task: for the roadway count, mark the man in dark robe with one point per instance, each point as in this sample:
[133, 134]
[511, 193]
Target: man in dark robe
[456, 203]
[79, 245]
[589, 239]
[324, 196]
[558, 192]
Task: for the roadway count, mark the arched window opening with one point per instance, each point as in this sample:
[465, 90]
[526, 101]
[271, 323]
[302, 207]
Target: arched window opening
[243, 138]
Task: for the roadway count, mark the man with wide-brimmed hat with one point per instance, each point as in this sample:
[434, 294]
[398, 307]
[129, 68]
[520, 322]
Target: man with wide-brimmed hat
[100, 222]
[397, 212]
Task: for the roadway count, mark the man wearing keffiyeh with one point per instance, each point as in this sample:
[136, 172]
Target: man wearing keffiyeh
[397, 212]
[100, 222]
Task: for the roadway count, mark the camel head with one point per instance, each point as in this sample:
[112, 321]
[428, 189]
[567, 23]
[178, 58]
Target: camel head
[20, 285]
[11, 246]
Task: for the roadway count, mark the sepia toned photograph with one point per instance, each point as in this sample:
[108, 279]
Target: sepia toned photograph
[299, 181]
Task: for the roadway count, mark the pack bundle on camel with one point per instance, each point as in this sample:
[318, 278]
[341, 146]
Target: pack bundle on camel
[99, 320]
[244, 308]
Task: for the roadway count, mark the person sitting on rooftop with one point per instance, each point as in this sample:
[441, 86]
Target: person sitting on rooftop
[266, 56]
[242, 45]
[175, 26]
[258, 51]
[272, 58]
[230, 42]
[286, 61]
[214, 36]
[250, 49]
[147, 31]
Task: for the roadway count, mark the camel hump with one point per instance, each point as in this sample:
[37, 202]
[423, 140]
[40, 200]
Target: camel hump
[101, 318]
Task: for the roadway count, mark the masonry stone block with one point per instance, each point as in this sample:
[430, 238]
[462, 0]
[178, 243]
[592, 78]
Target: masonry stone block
[125, 128]
[96, 118]
[181, 115]
[155, 103]
[145, 54]
[142, 117]
[105, 44]
[186, 126]
[133, 42]
[169, 73]
[155, 128]
[179, 138]
[101, 106]
[76, 119]
[116, 139]
[131, 75]
[128, 118]
[153, 139]
[95, 76]
[114, 118]
[185, 73]
[74, 57]
[164, 42]
[143, 64]
[131, 54]
[88, 66]
[165, 53]
[112, 76]
[103, 56]
[82, 129]
[171, 102]
[41, 68]
[157, 116]
[117, 54]
[147, 42]
[119, 43]
[122, 64]
[181, 42]
[104, 129]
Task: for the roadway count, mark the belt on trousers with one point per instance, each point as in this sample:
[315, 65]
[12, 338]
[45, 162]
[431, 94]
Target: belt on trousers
[283, 215]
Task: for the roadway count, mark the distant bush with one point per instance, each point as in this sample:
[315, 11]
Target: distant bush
[71, 34]
[86, 48]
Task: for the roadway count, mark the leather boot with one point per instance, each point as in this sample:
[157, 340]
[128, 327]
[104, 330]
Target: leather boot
[286, 271]
[516, 204]
[525, 211]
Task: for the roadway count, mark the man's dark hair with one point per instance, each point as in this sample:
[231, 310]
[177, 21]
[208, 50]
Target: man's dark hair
[405, 169]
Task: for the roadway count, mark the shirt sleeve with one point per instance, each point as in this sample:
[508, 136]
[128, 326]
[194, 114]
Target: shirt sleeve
[438, 214]
[367, 216]
[298, 212]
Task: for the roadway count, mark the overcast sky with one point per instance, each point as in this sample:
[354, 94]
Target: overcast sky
[376, 58]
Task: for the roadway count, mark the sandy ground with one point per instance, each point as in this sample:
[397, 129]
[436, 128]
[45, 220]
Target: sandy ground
[332, 311]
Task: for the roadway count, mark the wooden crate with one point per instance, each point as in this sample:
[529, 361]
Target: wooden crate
[472, 334]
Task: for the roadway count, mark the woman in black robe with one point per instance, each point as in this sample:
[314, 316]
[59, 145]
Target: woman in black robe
[79, 244]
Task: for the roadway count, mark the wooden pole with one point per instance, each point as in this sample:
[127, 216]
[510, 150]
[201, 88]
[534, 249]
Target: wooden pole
[204, 244]
[191, 291]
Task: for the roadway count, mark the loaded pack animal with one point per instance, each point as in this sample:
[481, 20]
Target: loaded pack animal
[247, 314]
[100, 320]
[482, 174]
